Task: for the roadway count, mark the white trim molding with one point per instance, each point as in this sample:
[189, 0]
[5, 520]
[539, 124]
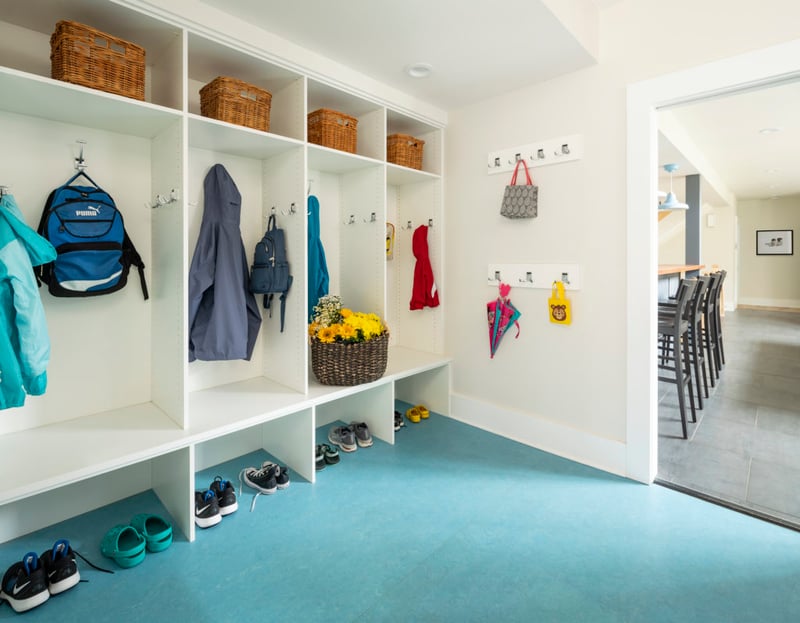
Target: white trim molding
[552, 437]
[766, 67]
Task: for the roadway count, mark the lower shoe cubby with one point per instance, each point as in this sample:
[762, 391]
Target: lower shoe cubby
[429, 387]
[168, 476]
[285, 440]
[372, 406]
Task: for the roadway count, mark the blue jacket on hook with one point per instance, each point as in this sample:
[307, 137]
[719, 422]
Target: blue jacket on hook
[317, 265]
[223, 314]
[24, 342]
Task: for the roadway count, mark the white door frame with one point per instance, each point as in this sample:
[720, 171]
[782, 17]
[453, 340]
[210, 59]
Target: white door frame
[748, 71]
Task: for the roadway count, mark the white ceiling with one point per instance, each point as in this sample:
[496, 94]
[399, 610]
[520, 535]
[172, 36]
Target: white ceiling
[482, 49]
[477, 49]
[727, 131]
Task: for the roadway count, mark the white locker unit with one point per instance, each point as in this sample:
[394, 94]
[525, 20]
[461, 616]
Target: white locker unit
[124, 410]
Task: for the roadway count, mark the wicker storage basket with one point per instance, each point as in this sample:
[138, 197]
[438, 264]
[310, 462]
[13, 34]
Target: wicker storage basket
[404, 150]
[334, 129]
[236, 101]
[84, 55]
[349, 364]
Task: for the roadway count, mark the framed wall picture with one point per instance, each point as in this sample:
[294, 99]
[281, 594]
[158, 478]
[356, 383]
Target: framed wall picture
[774, 242]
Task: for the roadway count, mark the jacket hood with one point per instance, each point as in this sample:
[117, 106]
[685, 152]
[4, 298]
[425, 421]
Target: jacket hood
[419, 242]
[223, 202]
[13, 226]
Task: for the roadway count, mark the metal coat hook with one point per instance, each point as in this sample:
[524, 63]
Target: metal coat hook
[408, 226]
[4, 190]
[496, 277]
[351, 220]
[528, 277]
[80, 163]
[272, 211]
[372, 218]
[292, 210]
[161, 200]
[565, 277]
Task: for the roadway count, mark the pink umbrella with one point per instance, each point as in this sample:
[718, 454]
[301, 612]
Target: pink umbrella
[501, 313]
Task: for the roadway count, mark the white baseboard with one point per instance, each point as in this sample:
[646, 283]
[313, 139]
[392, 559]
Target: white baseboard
[757, 302]
[552, 437]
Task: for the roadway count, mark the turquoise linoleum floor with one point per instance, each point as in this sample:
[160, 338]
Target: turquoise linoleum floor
[450, 524]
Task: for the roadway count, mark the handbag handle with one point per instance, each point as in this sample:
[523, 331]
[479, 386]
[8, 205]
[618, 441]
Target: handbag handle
[522, 162]
[558, 290]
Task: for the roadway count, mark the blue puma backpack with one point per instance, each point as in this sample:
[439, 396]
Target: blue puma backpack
[94, 251]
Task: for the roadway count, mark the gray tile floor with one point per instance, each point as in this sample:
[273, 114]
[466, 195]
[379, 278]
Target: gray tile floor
[745, 446]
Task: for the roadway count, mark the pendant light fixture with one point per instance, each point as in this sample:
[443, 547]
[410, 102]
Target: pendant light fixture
[671, 202]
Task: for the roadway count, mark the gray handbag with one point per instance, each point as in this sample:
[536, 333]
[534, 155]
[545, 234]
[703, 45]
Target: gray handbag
[520, 201]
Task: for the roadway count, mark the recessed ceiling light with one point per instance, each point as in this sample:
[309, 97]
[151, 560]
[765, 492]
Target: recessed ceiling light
[419, 70]
[769, 130]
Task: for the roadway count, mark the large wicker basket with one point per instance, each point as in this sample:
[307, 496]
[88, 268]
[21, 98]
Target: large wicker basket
[405, 150]
[236, 101]
[334, 129]
[349, 364]
[86, 56]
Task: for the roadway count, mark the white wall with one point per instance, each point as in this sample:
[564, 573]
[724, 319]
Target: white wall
[564, 388]
[768, 280]
[672, 238]
[718, 248]
[717, 242]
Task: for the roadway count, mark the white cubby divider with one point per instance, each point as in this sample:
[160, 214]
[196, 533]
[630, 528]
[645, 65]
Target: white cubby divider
[125, 411]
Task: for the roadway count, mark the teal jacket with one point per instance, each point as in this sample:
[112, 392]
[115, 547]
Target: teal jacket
[318, 279]
[24, 343]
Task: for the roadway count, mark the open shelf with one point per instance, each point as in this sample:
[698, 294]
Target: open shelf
[58, 454]
[214, 135]
[27, 94]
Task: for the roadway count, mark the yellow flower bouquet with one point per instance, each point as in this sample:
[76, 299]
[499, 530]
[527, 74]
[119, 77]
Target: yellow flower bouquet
[347, 347]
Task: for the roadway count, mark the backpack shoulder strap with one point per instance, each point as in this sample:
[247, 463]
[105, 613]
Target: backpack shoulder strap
[135, 259]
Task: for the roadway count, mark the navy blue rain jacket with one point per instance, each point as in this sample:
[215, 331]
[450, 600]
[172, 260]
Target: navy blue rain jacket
[223, 314]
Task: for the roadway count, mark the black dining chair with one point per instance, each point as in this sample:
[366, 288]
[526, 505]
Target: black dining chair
[674, 358]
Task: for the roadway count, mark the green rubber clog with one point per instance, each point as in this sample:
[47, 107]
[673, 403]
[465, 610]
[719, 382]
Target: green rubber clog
[124, 545]
[156, 531]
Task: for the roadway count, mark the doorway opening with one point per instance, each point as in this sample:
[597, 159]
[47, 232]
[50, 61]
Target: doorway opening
[755, 70]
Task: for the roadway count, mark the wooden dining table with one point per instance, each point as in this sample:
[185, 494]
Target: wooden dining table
[678, 269]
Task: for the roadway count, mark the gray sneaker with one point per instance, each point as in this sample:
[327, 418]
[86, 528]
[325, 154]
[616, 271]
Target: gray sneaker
[363, 437]
[344, 437]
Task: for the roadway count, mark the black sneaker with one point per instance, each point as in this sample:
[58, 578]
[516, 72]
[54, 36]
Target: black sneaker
[60, 567]
[226, 495]
[319, 458]
[206, 509]
[399, 422]
[25, 584]
[331, 454]
[262, 480]
[281, 474]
